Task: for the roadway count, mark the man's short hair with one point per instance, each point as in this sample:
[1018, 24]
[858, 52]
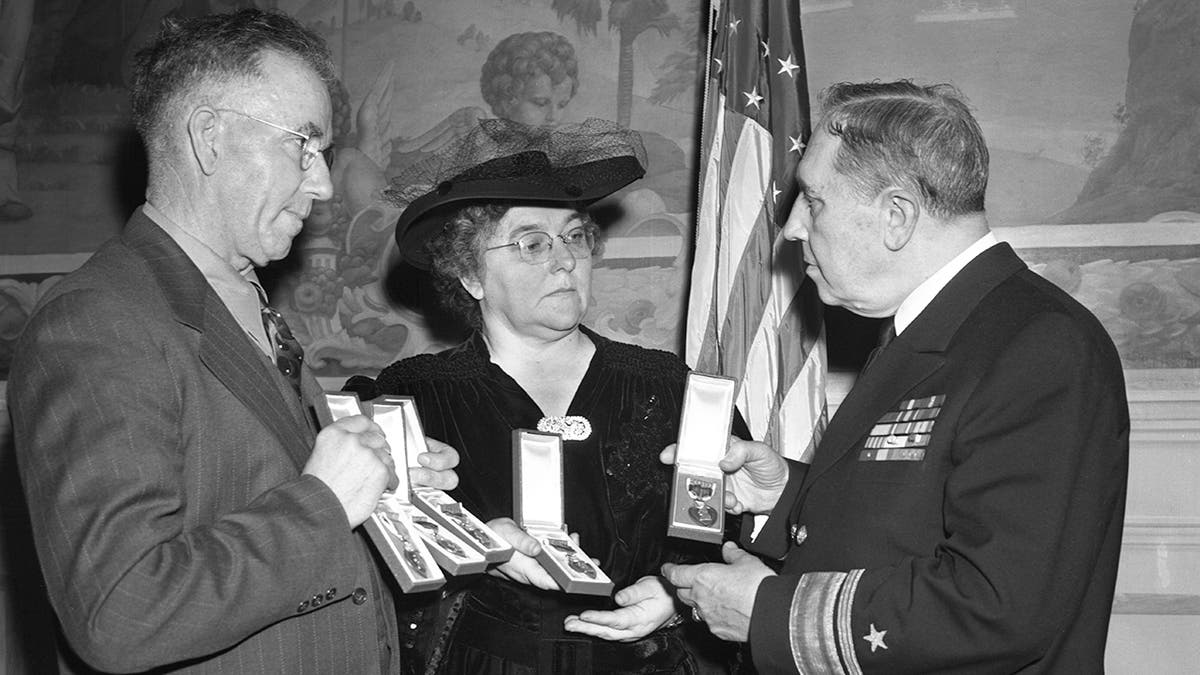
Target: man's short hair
[189, 55]
[923, 138]
[521, 57]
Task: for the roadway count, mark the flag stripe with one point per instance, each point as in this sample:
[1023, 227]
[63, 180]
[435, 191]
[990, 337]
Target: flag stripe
[702, 322]
[744, 262]
[750, 316]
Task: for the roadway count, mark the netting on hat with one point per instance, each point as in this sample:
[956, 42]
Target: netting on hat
[501, 152]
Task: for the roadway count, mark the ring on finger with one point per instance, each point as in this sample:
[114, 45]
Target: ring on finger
[696, 615]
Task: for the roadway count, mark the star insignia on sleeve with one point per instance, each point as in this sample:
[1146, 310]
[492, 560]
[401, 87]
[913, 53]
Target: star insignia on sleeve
[876, 638]
[797, 144]
[788, 66]
[753, 98]
[733, 25]
[766, 49]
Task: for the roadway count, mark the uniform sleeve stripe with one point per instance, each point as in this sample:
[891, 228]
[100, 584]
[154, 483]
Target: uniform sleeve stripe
[844, 629]
[811, 627]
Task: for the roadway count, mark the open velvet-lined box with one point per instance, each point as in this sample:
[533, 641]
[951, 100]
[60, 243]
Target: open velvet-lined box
[698, 486]
[538, 507]
[417, 531]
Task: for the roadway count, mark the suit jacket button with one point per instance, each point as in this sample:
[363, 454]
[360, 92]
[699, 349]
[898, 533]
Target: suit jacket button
[359, 596]
[303, 606]
[799, 534]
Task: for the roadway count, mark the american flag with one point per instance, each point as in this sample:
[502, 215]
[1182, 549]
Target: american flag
[750, 316]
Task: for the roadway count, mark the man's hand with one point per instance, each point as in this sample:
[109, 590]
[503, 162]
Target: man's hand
[645, 606]
[755, 475]
[437, 466]
[521, 567]
[353, 458]
[723, 595]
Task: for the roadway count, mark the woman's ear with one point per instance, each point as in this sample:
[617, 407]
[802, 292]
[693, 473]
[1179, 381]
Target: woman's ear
[472, 286]
[901, 212]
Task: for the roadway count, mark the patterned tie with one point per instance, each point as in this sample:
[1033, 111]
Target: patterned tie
[887, 333]
[289, 355]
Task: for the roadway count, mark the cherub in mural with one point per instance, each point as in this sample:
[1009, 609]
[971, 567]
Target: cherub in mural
[532, 77]
[527, 77]
[16, 20]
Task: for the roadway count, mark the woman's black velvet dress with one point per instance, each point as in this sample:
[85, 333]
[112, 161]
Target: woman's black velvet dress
[616, 498]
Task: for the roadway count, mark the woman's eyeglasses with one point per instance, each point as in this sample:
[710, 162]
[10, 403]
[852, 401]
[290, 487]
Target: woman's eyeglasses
[535, 247]
[310, 146]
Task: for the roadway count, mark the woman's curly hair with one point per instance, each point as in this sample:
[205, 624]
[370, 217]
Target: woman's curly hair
[456, 253]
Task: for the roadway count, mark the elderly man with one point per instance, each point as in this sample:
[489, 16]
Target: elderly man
[963, 510]
[187, 514]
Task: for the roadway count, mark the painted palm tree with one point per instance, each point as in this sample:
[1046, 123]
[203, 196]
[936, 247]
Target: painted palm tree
[630, 18]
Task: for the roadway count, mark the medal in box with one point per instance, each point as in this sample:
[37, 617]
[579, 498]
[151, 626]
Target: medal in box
[698, 485]
[397, 416]
[390, 527]
[440, 510]
[538, 506]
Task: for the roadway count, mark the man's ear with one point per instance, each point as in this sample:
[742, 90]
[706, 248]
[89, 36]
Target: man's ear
[901, 211]
[203, 126]
[473, 286]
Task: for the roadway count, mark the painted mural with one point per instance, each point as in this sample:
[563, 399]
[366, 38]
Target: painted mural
[1084, 104]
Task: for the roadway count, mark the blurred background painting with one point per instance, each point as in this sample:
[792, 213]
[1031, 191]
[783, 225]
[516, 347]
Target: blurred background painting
[1089, 106]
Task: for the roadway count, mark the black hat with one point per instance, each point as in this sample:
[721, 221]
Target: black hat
[505, 160]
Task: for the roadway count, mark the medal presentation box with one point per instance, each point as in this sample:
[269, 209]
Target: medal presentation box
[538, 506]
[397, 416]
[443, 511]
[698, 486]
[390, 526]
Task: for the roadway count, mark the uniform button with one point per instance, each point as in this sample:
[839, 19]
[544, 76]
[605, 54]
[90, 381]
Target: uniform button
[317, 600]
[359, 596]
[799, 534]
[303, 606]
[331, 594]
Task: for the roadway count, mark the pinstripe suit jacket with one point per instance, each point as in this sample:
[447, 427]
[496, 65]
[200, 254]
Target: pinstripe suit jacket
[160, 453]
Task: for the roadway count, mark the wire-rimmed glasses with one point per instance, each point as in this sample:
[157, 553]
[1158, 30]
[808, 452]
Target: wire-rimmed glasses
[535, 247]
[310, 145]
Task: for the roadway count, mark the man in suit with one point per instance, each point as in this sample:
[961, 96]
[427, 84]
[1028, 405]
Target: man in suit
[962, 512]
[188, 516]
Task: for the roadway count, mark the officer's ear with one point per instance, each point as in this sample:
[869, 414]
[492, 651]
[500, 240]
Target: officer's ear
[204, 135]
[901, 210]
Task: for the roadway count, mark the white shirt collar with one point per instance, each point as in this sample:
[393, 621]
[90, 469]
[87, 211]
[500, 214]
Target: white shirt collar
[922, 295]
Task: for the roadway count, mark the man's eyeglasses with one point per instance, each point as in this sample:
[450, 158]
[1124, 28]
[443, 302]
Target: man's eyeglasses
[310, 146]
[535, 247]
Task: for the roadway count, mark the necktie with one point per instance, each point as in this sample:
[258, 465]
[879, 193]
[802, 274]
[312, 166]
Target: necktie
[289, 355]
[887, 332]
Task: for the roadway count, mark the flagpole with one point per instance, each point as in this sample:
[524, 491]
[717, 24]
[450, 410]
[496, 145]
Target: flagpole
[345, 25]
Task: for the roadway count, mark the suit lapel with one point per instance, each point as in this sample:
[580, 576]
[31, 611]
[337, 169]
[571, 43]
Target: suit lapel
[224, 348]
[912, 357]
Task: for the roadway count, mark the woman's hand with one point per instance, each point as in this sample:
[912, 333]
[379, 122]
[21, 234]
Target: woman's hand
[521, 567]
[645, 607]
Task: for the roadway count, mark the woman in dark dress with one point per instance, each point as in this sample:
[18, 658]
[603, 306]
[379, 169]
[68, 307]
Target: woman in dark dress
[505, 233]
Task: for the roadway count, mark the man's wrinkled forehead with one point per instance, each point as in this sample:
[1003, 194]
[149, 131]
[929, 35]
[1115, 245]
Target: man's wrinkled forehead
[291, 91]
